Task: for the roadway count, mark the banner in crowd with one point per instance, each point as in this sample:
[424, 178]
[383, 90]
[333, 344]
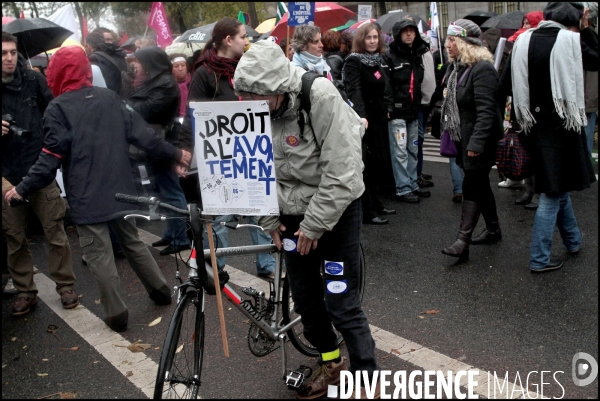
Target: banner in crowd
[364, 12]
[158, 21]
[301, 13]
[234, 152]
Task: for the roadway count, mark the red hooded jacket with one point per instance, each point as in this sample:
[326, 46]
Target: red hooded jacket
[69, 70]
[534, 18]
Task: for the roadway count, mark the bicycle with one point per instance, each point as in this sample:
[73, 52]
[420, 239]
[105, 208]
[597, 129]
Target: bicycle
[180, 366]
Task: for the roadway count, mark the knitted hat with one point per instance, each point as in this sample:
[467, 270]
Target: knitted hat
[471, 34]
[567, 14]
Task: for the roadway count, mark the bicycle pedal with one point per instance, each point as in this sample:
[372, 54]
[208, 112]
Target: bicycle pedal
[295, 378]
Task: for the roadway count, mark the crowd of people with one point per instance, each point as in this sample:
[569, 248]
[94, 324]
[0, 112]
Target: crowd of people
[368, 112]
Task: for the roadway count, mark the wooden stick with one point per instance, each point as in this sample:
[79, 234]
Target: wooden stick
[213, 260]
[287, 41]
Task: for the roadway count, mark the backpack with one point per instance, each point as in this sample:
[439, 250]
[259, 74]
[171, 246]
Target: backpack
[126, 79]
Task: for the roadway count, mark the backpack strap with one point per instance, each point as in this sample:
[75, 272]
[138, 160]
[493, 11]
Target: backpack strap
[307, 80]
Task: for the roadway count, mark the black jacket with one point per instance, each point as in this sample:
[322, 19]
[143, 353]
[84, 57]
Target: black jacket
[88, 131]
[25, 98]
[559, 158]
[110, 71]
[406, 72]
[204, 87]
[480, 115]
[335, 61]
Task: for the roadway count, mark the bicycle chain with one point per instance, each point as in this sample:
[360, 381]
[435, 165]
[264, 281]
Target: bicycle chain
[262, 346]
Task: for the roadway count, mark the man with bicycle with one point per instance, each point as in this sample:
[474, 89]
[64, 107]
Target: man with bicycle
[88, 131]
[319, 183]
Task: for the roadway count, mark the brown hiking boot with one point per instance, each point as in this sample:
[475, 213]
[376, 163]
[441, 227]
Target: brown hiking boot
[327, 374]
[23, 305]
[376, 394]
[69, 299]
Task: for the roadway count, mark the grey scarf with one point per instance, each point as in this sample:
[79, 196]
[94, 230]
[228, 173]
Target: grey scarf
[566, 78]
[450, 114]
[370, 60]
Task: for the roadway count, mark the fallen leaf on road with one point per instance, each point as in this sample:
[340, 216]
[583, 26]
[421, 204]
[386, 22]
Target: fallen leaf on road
[129, 373]
[385, 357]
[412, 350]
[97, 301]
[421, 317]
[45, 360]
[430, 312]
[67, 396]
[179, 349]
[155, 322]
[395, 351]
[5, 365]
[138, 347]
[156, 349]
[13, 339]
[96, 361]
[70, 349]
[24, 347]
[80, 296]
[42, 374]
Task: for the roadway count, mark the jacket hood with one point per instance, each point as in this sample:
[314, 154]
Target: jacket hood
[69, 69]
[397, 29]
[154, 60]
[112, 49]
[534, 18]
[265, 70]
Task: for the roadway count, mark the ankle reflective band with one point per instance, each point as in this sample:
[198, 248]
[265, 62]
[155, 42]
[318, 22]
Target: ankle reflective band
[330, 356]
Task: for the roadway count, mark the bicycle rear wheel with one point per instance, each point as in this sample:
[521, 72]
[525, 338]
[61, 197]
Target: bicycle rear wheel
[296, 333]
[181, 358]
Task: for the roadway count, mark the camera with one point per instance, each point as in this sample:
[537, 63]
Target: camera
[18, 132]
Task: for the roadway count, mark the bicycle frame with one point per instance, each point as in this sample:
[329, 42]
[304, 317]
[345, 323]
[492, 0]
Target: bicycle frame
[273, 328]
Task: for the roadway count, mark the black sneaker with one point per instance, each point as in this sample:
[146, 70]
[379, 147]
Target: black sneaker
[426, 176]
[553, 265]
[421, 194]
[408, 198]
[423, 183]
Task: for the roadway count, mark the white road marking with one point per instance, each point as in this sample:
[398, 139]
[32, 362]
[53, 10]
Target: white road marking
[104, 340]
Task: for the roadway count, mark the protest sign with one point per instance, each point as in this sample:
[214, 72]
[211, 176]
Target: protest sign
[364, 12]
[301, 13]
[234, 152]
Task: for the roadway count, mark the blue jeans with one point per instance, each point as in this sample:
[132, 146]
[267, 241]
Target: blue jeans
[404, 151]
[589, 131]
[265, 263]
[423, 118]
[553, 210]
[457, 176]
[167, 182]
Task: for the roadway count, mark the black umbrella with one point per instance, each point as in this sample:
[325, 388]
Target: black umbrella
[512, 20]
[36, 35]
[479, 17]
[388, 20]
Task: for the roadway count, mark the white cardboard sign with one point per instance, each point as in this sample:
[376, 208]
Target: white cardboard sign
[234, 152]
[364, 12]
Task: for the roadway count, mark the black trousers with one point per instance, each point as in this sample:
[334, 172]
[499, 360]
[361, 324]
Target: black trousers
[476, 188]
[332, 298]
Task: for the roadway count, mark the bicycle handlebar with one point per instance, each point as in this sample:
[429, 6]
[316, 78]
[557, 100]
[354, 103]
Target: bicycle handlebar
[149, 201]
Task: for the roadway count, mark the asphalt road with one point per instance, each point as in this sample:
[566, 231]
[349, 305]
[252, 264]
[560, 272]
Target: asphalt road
[494, 314]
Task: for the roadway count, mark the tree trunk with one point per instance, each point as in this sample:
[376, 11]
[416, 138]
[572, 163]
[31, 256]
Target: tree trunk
[37, 14]
[15, 9]
[252, 13]
[382, 8]
[80, 16]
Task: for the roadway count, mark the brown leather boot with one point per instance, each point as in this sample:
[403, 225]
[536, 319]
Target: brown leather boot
[489, 235]
[327, 374]
[468, 221]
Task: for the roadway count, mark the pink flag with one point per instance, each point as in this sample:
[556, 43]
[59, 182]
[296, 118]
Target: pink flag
[158, 22]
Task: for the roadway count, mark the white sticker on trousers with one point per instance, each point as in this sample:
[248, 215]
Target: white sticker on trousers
[334, 268]
[337, 287]
[289, 244]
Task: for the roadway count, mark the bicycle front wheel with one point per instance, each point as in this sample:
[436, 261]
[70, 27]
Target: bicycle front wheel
[296, 333]
[181, 358]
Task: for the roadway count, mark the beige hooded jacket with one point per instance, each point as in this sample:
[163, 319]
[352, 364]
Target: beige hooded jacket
[318, 175]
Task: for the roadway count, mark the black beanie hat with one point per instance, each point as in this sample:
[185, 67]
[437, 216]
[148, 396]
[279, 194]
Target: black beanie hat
[567, 14]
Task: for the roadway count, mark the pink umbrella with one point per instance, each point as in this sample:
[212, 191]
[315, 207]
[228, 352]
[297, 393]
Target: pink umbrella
[361, 23]
[327, 16]
[6, 20]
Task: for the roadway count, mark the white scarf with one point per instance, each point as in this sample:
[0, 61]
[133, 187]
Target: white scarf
[566, 78]
[309, 62]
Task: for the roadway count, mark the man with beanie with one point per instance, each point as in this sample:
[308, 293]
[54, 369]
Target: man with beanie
[546, 75]
[406, 71]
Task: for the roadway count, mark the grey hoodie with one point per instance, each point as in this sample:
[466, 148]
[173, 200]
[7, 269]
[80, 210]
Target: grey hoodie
[320, 175]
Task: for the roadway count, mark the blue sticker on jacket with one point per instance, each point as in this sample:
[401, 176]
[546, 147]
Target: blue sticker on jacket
[334, 268]
[336, 286]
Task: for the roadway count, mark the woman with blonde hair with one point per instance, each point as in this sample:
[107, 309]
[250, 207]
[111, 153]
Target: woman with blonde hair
[472, 118]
